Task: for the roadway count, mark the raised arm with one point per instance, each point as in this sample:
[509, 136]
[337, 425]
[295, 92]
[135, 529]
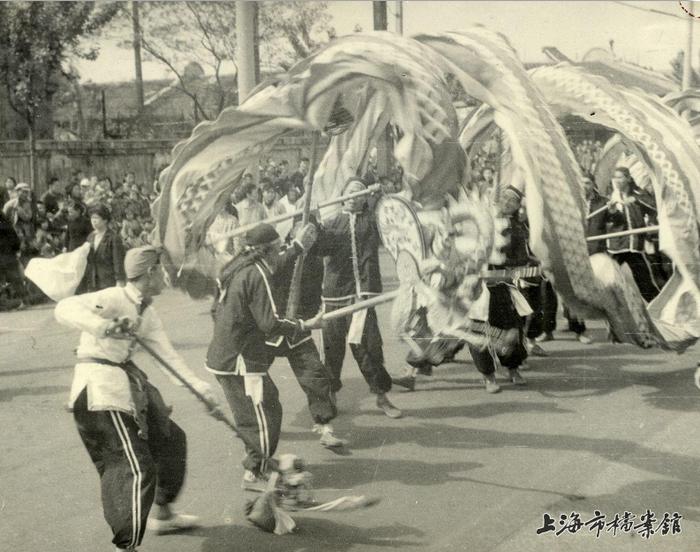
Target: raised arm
[85, 312]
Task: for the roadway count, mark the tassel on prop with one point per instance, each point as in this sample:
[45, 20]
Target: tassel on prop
[264, 511]
[289, 489]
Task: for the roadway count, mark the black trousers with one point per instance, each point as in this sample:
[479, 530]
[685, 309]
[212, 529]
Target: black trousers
[133, 471]
[11, 273]
[544, 304]
[258, 425]
[503, 315]
[641, 271]
[314, 379]
[368, 353]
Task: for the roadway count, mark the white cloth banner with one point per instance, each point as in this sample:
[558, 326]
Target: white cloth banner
[59, 276]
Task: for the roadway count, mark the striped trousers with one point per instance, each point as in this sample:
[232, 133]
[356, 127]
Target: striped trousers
[259, 424]
[134, 472]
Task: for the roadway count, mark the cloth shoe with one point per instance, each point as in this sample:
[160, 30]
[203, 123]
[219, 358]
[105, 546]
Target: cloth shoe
[177, 522]
[385, 406]
[491, 385]
[534, 349]
[425, 370]
[583, 338]
[328, 438]
[547, 336]
[408, 382]
[516, 378]
[253, 482]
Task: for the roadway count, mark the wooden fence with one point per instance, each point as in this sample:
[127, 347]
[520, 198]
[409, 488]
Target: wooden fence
[113, 158]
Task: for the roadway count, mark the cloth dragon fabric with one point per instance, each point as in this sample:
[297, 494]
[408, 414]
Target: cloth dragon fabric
[664, 144]
[381, 81]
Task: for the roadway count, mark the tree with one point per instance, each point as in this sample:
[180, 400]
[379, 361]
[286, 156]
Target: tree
[36, 41]
[292, 31]
[677, 70]
[178, 33]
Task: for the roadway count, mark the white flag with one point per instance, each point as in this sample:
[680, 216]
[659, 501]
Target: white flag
[59, 276]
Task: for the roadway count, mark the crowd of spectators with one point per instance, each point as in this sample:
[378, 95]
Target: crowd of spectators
[114, 217]
[61, 220]
[587, 153]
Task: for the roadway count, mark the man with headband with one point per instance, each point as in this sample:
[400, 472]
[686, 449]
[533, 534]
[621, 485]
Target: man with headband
[248, 335]
[139, 452]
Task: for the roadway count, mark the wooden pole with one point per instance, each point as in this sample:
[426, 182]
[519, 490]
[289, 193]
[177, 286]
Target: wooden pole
[361, 305]
[594, 213]
[212, 408]
[648, 229]
[688, 54]
[384, 142]
[286, 216]
[137, 53]
[104, 115]
[295, 286]
[245, 42]
[379, 13]
[399, 17]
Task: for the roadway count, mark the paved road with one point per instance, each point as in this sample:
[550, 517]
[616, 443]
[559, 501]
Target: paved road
[601, 427]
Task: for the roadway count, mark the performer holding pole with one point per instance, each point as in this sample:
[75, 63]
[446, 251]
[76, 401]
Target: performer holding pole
[247, 332]
[507, 306]
[139, 452]
[350, 243]
[626, 226]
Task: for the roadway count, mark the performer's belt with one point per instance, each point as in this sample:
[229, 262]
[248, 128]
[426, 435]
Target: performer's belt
[148, 402]
[508, 274]
[95, 360]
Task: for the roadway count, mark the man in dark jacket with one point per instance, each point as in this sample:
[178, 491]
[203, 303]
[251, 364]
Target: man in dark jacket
[350, 243]
[248, 328]
[627, 211]
[10, 272]
[52, 197]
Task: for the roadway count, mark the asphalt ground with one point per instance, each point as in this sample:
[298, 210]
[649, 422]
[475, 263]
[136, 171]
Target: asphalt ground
[601, 427]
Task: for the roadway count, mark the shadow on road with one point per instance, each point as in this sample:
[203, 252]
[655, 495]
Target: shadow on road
[31, 371]
[312, 534]
[9, 394]
[347, 473]
[484, 410]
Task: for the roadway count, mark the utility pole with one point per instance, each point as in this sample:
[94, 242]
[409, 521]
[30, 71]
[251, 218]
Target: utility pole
[380, 17]
[137, 53]
[104, 114]
[399, 17]
[245, 43]
[384, 146]
[688, 54]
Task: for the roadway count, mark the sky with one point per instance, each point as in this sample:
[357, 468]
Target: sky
[574, 27]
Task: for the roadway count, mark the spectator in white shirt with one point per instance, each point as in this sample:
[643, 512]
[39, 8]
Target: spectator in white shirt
[290, 202]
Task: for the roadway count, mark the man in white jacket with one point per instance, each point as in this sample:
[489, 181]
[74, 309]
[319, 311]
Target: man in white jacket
[139, 452]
